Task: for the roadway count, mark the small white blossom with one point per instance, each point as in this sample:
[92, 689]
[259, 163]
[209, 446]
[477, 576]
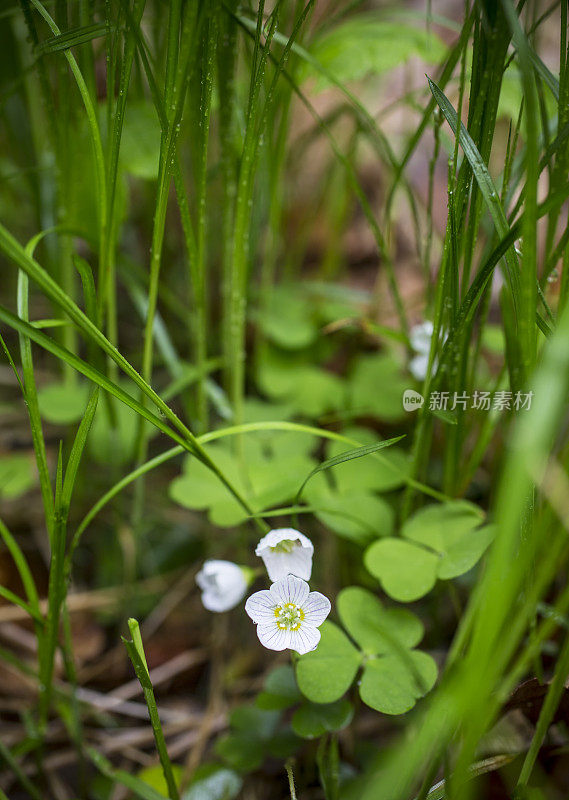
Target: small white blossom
[288, 615]
[286, 551]
[420, 338]
[223, 584]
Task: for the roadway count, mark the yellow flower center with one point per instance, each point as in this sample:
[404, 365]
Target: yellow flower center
[289, 617]
[286, 546]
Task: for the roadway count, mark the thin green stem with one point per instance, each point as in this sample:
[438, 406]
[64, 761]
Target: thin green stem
[290, 775]
[136, 654]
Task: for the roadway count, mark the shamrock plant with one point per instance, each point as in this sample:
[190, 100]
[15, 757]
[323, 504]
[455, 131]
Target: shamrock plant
[266, 727]
[393, 674]
[376, 647]
[438, 542]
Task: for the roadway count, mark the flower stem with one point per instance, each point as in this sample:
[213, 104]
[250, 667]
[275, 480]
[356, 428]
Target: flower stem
[289, 772]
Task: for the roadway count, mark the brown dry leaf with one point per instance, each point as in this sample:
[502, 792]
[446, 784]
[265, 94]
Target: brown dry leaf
[529, 697]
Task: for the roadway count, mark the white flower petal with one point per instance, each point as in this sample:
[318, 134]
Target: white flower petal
[281, 562]
[305, 639]
[223, 584]
[290, 590]
[278, 535]
[279, 565]
[418, 367]
[218, 573]
[261, 606]
[420, 337]
[273, 637]
[316, 609]
[213, 601]
[203, 581]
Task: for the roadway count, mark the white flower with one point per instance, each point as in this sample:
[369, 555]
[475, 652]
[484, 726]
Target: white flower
[420, 338]
[223, 584]
[288, 615]
[286, 551]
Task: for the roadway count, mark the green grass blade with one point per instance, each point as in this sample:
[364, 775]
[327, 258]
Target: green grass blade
[137, 787]
[77, 450]
[31, 398]
[237, 297]
[485, 182]
[544, 73]
[72, 38]
[88, 282]
[370, 124]
[548, 709]
[15, 252]
[55, 597]
[7, 756]
[249, 427]
[118, 487]
[90, 372]
[92, 124]
[22, 566]
[475, 292]
[11, 597]
[347, 455]
[107, 296]
[445, 76]
[529, 276]
[136, 654]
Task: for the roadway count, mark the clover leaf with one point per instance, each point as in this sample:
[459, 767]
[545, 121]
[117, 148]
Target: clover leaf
[140, 142]
[63, 403]
[310, 720]
[314, 719]
[113, 434]
[379, 472]
[254, 734]
[213, 782]
[438, 542]
[326, 673]
[367, 44]
[394, 675]
[287, 377]
[406, 571]
[280, 690]
[358, 515]
[376, 629]
[345, 499]
[393, 685]
[17, 475]
[265, 472]
[376, 387]
[288, 318]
